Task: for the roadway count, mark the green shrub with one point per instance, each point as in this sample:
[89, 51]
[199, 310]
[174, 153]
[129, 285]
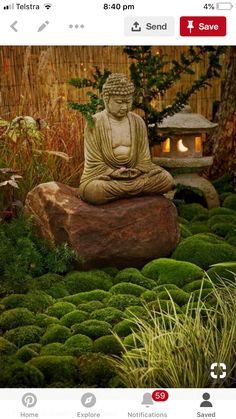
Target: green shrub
[180, 297]
[124, 328]
[91, 306]
[197, 285]
[43, 320]
[19, 375]
[56, 333]
[121, 301]
[36, 301]
[78, 344]
[23, 335]
[198, 227]
[25, 353]
[60, 308]
[223, 271]
[55, 348]
[204, 250]
[148, 296]
[127, 288]
[15, 317]
[95, 370]
[134, 276]
[110, 315]
[230, 202]
[188, 211]
[222, 229]
[56, 368]
[77, 282]
[108, 345]
[76, 316]
[83, 297]
[92, 328]
[172, 271]
[6, 347]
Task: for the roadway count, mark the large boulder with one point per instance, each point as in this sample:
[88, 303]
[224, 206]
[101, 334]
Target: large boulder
[127, 232]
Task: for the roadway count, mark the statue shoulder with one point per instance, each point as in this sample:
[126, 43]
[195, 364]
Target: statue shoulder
[98, 118]
[138, 119]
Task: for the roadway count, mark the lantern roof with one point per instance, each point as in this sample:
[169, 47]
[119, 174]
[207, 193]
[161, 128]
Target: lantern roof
[186, 121]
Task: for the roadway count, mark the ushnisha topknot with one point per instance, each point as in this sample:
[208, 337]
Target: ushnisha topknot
[117, 84]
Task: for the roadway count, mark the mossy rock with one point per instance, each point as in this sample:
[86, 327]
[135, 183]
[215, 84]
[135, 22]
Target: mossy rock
[83, 297]
[16, 317]
[198, 227]
[124, 328]
[222, 229]
[198, 284]
[77, 282]
[95, 370]
[16, 374]
[92, 328]
[91, 306]
[24, 335]
[121, 301]
[226, 271]
[6, 347]
[148, 296]
[230, 202]
[43, 320]
[180, 297]
[25, 353]
[55, 348]
[108, 345]
[136, 312]
[76, 316]
[37, 301]
[110, 315]
[188, 211]
[134, 276]
[78, 344]
[222, 219]
[60, 308]
[127, 288]
[204, 250]
[56, 368]
[184, 231]
[172, 271]
[55, 333]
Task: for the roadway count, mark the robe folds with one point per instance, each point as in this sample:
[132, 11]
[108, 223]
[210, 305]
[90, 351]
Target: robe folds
[101, 161]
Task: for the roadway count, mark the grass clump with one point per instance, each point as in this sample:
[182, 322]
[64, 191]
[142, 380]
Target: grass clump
[15, 317]
[110, 315]
[77, 282]
[24, 335]
[55, 333]
[60, 308]
[92, 328]
[78, 344]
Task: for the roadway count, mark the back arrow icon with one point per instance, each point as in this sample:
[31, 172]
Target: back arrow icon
[13, 26]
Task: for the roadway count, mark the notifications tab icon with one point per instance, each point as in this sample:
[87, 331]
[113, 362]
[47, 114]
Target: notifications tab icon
[203, 26]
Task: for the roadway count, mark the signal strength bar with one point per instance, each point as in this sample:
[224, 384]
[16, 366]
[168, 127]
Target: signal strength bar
[9, 7]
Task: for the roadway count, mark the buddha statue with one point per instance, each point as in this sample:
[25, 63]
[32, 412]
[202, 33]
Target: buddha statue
[117, 157]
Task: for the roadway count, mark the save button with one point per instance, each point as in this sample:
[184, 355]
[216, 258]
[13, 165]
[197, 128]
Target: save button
[203, 26]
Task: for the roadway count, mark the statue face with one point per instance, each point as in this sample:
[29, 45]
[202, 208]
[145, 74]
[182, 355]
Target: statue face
[119, 106]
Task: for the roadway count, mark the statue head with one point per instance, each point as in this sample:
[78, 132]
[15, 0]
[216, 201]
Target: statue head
[117, 94]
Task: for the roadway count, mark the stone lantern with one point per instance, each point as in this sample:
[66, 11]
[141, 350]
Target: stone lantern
[181, 151]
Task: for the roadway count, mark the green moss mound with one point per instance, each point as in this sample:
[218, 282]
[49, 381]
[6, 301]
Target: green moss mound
[182, 221]
[188, 211]
[112, 271]
[222, 229]
[24, 335]
[124, 328]
[121, 301]
[203, 294]
[204, 250]
[198, 227]
[165, 306]
[91, 306]
[180, 297]
[77, 282]
[108, 345]
[134, 276]
[197, 285]
[92, 328]
[110, 315]
[127, 288]
[15, 317]
[172, 271]
[78, 344]
[43, 320]
[184, 231]
[165, 287]
[60, 309]
[55, 348]
[83, 297]
[231, 240]
[222, 219]
[221, 211]
[6, 347]
[223, 271]
[136, 311]
[55, 333]
[37, 301]
[95, 370]
[56, 368]
[230, 202]
[223, 184]
[148, 296]
[19, 375]
[46, 281]
[25, 353]
[131, 342]
[76, 316]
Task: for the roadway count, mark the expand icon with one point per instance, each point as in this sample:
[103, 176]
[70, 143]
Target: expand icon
[218, 370]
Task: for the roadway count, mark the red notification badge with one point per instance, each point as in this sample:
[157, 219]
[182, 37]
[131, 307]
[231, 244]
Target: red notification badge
[160, 395]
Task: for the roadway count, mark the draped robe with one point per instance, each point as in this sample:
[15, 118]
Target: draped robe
[100, 160]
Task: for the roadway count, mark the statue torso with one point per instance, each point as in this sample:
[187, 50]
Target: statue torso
[121, 138]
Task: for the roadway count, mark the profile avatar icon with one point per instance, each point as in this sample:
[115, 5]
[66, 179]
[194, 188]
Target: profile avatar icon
[206, 403]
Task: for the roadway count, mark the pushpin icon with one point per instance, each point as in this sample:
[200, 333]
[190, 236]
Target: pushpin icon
[190, 25]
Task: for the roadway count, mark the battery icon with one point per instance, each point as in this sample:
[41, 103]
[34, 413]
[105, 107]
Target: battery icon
[224, 6]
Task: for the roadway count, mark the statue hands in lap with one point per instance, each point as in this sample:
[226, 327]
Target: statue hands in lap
[117, 157]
